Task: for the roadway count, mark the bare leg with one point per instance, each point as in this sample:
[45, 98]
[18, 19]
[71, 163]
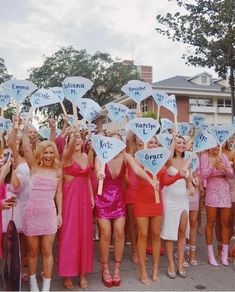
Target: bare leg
[182, 240]
[142, 224]
[33, 246]
[47, 255]
[155, 225]
[193, 235]
[210, 222]
[132, 232]
[170, 256]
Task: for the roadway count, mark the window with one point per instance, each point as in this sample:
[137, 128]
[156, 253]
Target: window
[200, 101]
[204, 79]
[144, 106]
[132, 106]
[224, 102]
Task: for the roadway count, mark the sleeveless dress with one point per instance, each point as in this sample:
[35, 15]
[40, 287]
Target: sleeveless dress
[76, 246]
[175, 201]
[22, 196]
[2, 197]
[111, 204]
[144, 203]
[130, 190]
[40, 217]
[217, 188]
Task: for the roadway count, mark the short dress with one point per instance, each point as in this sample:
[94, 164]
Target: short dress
[217, 188]
[145, 203]
[130, 190]
[111, 203]
[40, 216]
[175, 202]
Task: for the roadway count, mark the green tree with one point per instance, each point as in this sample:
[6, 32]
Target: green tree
[4, 76]
[107, 74]
[208, 27]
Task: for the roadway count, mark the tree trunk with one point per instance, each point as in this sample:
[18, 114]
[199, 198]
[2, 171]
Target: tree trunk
[231, 83]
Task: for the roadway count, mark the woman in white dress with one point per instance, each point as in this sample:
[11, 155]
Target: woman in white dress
[176, 211]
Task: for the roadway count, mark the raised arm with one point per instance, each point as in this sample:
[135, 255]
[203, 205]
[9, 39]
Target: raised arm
[71, 148]
[28, 153]
[12, 139]
[52, 125]
[137, 169]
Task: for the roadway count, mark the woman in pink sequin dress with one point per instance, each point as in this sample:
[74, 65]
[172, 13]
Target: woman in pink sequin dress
[217, 171]
[76, 247]
[43, 212]
[110, 208]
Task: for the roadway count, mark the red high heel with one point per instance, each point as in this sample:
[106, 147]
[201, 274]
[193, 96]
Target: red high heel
[106, 277]
[117, 276]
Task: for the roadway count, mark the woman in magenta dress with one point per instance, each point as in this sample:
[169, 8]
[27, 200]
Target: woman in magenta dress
[110, 207]
[42, 214]
[76, 248]
[217, 170]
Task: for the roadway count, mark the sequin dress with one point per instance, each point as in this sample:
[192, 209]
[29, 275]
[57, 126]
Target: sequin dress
[217, 188]
[111, 204]
[40, 216]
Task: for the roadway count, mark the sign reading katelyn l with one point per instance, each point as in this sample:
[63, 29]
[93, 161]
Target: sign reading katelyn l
[222, 133]
[153, 159]
[4, 98]
[75, 87]
[203, 141]
[116, 111]
[19, 89]
[144, 128]
[137, 90]
[106, 147]
[43, 97]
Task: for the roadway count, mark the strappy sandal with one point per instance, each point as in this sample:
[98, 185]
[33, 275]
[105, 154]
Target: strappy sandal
[106, 277]
[192, 250]
[117, 275]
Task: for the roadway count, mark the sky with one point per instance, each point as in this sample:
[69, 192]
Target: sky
[32, 29]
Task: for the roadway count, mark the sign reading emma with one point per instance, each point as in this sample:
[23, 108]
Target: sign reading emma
[144, 128]
[106, 147]
[153, 159]
[75, 87]
[203, 141]
[137, 90]
[19, 89]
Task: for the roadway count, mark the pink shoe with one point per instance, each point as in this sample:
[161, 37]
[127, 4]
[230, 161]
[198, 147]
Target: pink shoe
[211, 257]
[224, 255]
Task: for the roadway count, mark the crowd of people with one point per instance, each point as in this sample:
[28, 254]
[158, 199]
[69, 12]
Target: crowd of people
[53, 184]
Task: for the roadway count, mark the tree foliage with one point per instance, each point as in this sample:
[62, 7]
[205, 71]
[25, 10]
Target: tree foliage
[107, 74]
[208, 27]
[4, 76]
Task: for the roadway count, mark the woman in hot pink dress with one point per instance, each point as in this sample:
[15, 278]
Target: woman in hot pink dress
[217, 170]
[76, 247]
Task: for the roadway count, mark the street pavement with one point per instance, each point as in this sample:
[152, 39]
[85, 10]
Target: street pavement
[202, 277]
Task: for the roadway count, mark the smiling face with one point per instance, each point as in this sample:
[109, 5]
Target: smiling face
[180, 145]
[48, 156]
[78, 142]
[152, 143]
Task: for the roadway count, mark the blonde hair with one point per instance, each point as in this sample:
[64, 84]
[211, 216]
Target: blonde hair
[38, 154]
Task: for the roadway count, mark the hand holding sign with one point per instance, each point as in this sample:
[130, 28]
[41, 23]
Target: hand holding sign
[153, 160]
[106, 148]
[144, 128]
[138, 91]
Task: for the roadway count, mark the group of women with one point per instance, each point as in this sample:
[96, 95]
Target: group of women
[56, 181]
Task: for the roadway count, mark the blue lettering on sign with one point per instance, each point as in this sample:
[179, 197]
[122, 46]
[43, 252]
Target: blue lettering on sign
[74, 85]
[106, 145]
[153, 158]
[201, 138]
[145, 126]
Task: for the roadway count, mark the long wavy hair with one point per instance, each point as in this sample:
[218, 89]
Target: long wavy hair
[38, 154]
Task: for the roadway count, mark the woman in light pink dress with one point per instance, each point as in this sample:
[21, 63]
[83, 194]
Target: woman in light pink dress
[217, 171]
[76, 247]
[43, 211]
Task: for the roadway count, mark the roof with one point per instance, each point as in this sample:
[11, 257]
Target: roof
[183, 82]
